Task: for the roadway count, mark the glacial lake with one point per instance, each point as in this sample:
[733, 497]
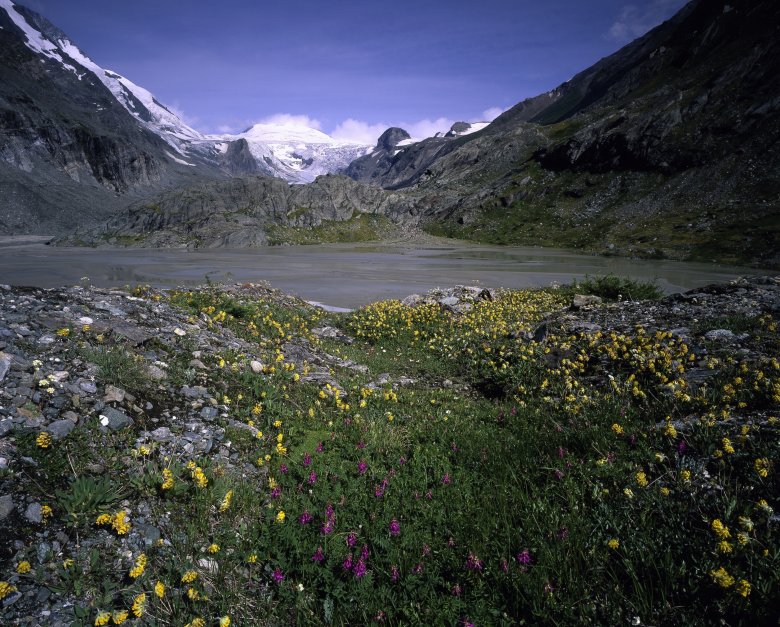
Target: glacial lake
[339, 275]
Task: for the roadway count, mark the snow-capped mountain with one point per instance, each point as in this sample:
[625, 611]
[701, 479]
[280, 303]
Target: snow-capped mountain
[295, 153]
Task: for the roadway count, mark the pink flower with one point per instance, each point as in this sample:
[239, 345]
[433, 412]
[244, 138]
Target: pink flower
[347, 563]
[318, 555]
[360, 568]
[283, 469]
[278, 576]
[351, 539]
[362, 466]
[446, 479]
[524, 557]
[320, 447]
[305, 518]
[312, 477]
[306, 459]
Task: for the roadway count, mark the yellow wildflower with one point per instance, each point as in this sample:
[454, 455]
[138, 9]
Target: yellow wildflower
[685, 475]
[103, 519]
[277, 423]
[720, 529]
[743, 587]
[23, 567]
[68, 563]
[722, 578]
[43, 440]
[665, 491]
[280, 517]
[670, 430]
[614, 543]
[213, 548]
[196, 622]
[252, 559]
[762, 467]
[224, 621]
[641, 479]
[46, 511]
[725, 547]
[159, 589]
[65, 332]
[189, 576]
[102, 618]
[140, 565]
[226, 501]
[119, 617]
[617, 429]
[168, 480]
[727, 446]
[139, 604]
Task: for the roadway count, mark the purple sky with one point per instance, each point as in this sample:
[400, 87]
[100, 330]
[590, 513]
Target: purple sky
[349, 68]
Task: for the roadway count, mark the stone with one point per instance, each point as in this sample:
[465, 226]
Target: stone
[209, 413]
[114, 419]
[133, 333]
[5, 364]
[180, 332]
[6, 426]
[33, 513]
[88, 386]
[719, 335]
[155, 373]
[161, 434]
[60, 429]
[6, 506]
[113, 394]
[449, 301]
[256, 366]
[585, 300]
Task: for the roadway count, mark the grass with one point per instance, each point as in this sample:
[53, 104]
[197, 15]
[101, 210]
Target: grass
[362, 227]
[574, 481]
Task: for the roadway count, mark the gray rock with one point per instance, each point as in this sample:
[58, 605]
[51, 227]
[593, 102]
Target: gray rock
[33, 513]
[6, 506]
[6, 426]
[162, 434]
[155, 372]
[113, 394]
[5, 364]
[60, 428]
[209, 413]
[719, 335]
[114, 419]
[135, 334]
[257, 366]
[449, 301]
[88, 386]
[585, 300]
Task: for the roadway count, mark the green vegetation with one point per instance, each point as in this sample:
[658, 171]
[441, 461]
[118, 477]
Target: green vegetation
[362, 227]
[577, 480]
[611, 287]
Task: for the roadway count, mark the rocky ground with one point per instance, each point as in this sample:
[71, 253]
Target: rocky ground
[113, 368]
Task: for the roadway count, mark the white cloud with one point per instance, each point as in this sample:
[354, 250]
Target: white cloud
[488, 115]
[288, 119]
[359, 132]
[179, 113]
[427, 128]
[634, 21]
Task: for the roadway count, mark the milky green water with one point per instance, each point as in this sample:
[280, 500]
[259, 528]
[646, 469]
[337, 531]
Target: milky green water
[341, 275]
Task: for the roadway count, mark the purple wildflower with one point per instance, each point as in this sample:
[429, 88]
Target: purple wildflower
[351, 539]
[320, 447]
[681, 447]
[327, 527]
[276, 492]
[312, 477]
[395, 527]
[361, 445]
[278, 576]
[379, 491]
[474, 563]
[306, 459]
[454, 447]
[360, 568]
[318, 555]
[426, 550]
[394, 573]
[329, 512]
[364, 552]
[524, 557]
[347, 563]
[401, 461]
[283, 468]
[504, 565]
[456, 590]
[429, 494]
[305, 518]
[362, 466]
[446, 480]
[417, 569]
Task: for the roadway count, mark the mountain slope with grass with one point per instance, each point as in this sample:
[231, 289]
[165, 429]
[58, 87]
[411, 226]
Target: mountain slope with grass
[230, 453]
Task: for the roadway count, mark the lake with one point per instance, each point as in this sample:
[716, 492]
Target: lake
[340, 275]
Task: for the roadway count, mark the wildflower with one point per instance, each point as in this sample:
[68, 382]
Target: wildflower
[277, 575]
[351, 539]
[305, 518]
[193, 594]
[446, 479]
[746, 523]
[168, 481]
[159, 589]
[395, 527]
[474, 563]
[64, 332]
[725, 547]
[614, 544]
[318, 555]
[641, 479]
[617, 429]
[68, 563]
[762, 467]
[524, 557]
[722, 578]
[685, 475]
[23, 567]
[226, 501]
[224, 621]
[742, 538]
[362, 466]
[306, 459]
[347, 563]
[252, 559]
[199, 477]
[102, 618]
[140, 565]
[119, 524]
[43, 440]
[743, 588]
[360, 568]
[629, 493]
[213, 548]
[669, 430]
[665, 491]
[139, 604]
[394, 573]
[119, 616]
[189, 576]
[196, 622]
[280, 517]
[312, 477]
[720, 529]
[766, 507]
[727, 446]
[277, 423]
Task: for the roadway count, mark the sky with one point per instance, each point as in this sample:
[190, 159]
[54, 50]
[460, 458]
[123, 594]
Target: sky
[350, 69]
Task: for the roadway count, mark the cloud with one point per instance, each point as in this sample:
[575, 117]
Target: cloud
[634, 21]
[190, 121]
[288, 119]
[488, 115]
[352, 130]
